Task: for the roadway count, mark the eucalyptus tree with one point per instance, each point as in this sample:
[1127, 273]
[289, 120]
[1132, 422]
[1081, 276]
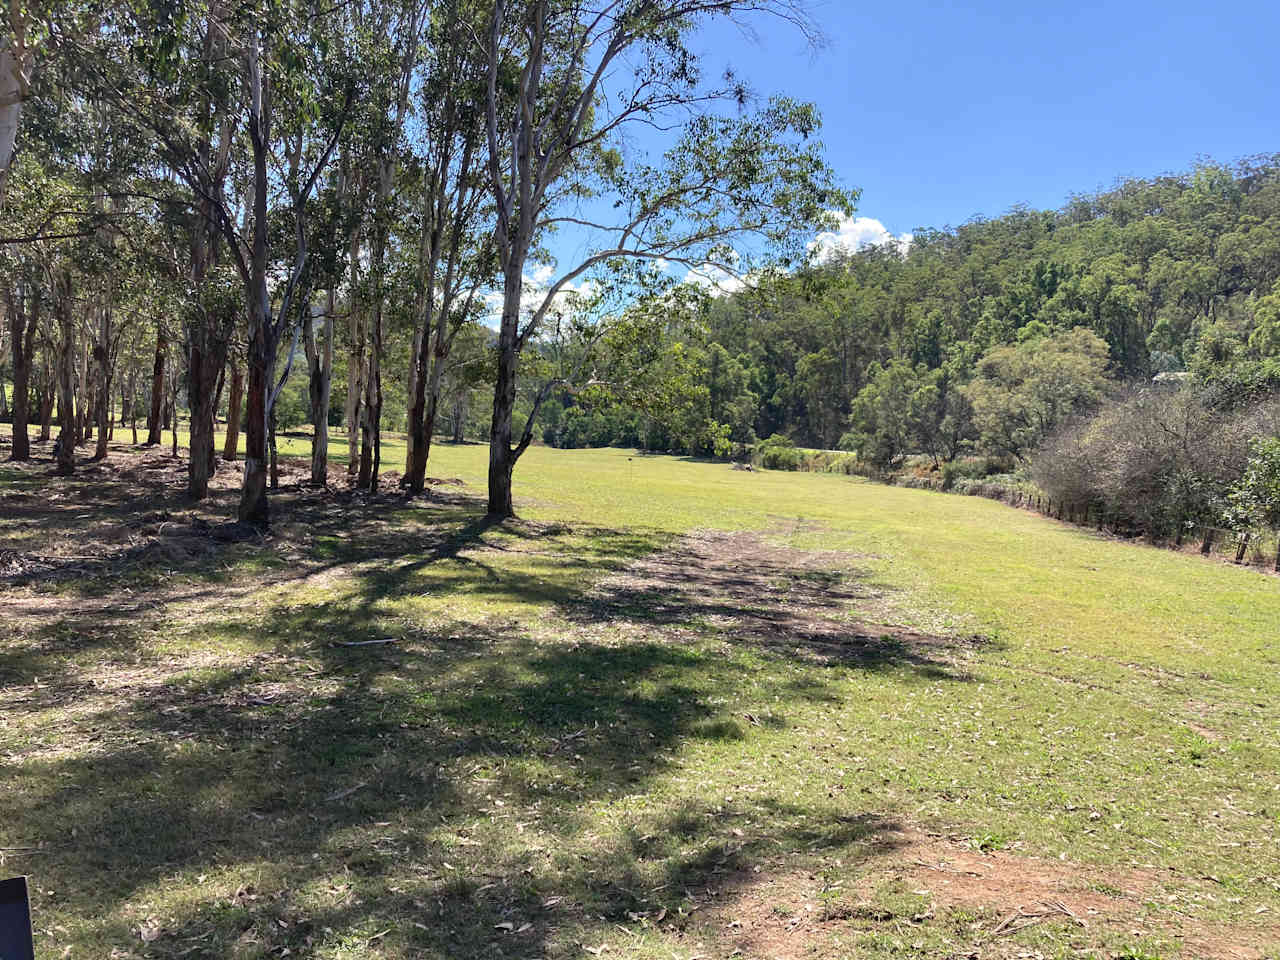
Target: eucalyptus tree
[566, 81]
[455, 253]
[62, 288]
[18, 46]
[335, 225]
[250, 94]
[171, 74]
[48, 265]
[299, 97]
[24, 285]
[398, 29]
[23, 302]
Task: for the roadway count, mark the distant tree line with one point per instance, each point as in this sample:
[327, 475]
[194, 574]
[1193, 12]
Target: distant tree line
[1030, 341]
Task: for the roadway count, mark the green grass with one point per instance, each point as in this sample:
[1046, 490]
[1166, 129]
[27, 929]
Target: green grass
[549, 743]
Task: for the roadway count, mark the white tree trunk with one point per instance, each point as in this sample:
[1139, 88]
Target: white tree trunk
[13, 90]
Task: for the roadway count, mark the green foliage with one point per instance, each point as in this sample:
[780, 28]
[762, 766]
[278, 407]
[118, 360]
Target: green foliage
[881, 418]
[1022, 393]
[1169, 274]
[1255, 499]
[904, 409]
[292, 407]
[777, 453]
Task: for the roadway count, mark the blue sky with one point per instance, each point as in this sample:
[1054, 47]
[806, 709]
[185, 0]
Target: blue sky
[940, 111]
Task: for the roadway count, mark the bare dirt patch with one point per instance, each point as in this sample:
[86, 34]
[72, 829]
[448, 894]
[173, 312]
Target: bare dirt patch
[984, 897]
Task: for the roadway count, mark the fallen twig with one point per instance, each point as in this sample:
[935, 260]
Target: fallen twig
[939, 867]
[1021, 919]
[344, 793]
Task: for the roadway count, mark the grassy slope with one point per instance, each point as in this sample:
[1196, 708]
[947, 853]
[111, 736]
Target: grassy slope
[518, 747]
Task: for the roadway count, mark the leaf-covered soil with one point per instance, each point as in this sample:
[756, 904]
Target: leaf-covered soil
[745, 718]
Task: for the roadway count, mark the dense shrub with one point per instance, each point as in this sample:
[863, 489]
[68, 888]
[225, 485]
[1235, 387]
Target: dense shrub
[1254, 501]
[1156, 460]
[777, 453]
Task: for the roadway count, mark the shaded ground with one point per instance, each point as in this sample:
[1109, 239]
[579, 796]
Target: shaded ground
[790, 602]
[578, 741]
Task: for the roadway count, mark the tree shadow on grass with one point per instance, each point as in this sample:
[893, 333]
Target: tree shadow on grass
[388, 802]
[774, 600]
[440, 796]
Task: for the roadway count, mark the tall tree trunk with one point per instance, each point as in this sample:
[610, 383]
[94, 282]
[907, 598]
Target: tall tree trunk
[271, 446]
[173, 413]
[355, 366]
[203, 368]
[265, 327]
[430, 347]
[103, 399]
[370, 416]
[86, 406]
[46, 404]
[235, 411]
[102, 407]
[22, 332]
[102, 357]
[371, 419]
[66, 377]
[16, 62]
[319, 389]
[425, 403]
[460, 404]
[155, 418]
[411, 396]
[502, 456]
[217, 394]
[253, 495]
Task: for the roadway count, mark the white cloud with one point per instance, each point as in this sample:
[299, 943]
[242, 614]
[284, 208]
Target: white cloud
[536, 283]
[719, 282]
[541, 275]
[853, 234]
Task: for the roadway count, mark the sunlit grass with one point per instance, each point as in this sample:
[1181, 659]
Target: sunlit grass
[216, 772]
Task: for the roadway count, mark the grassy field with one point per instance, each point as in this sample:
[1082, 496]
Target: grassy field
[675, 710]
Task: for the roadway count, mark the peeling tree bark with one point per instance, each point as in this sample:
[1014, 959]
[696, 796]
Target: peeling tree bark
[16, 63]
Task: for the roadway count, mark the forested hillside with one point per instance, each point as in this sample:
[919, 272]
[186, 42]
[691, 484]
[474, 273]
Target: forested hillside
[1174, 273]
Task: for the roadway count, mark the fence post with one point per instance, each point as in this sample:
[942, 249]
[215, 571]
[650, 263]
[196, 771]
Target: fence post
[1207, 546]
[1244, 546]
[1278, 554]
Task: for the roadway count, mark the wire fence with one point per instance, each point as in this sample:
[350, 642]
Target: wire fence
[1257, 547]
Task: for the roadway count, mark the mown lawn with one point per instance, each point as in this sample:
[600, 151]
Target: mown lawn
[674, 710]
